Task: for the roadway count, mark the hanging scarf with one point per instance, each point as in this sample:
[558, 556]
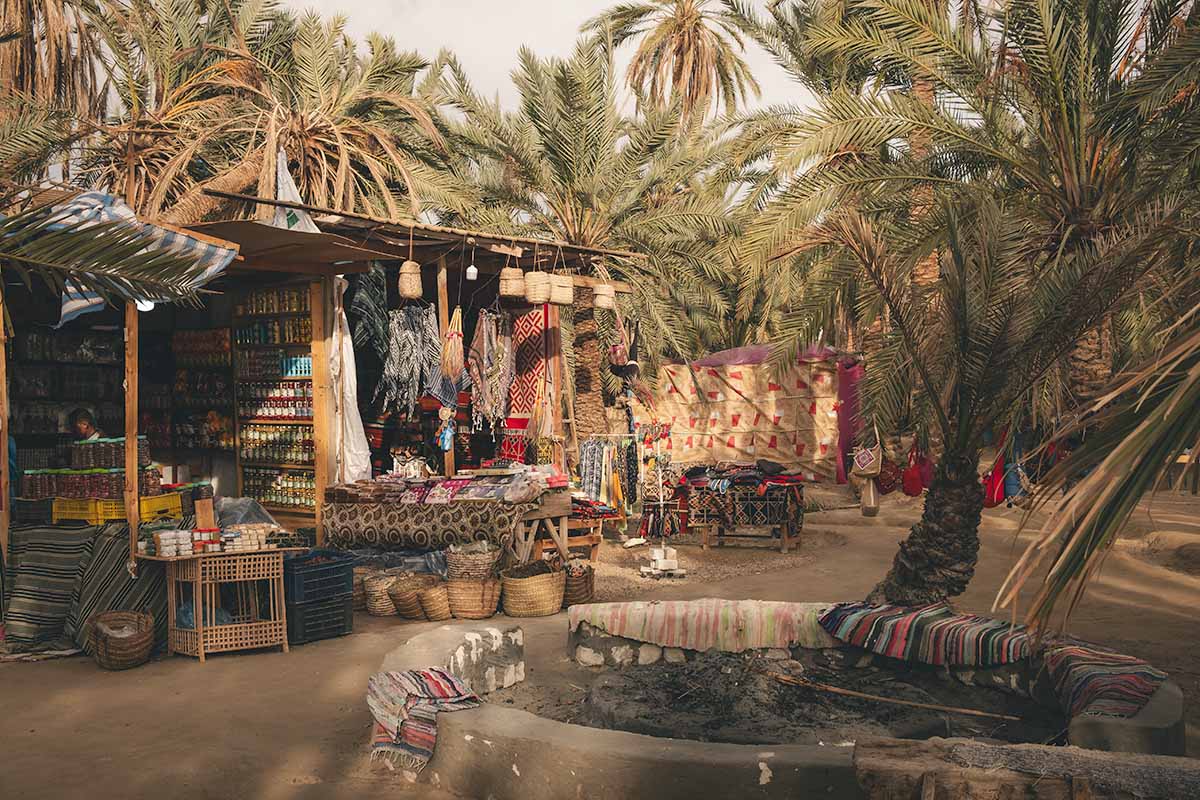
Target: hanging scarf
[484, 363]
[404, 369]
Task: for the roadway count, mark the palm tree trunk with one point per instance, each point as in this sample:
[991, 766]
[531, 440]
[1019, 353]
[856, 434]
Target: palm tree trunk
[589, 365]
[194, 206]
[937, 560]
[1090, 365]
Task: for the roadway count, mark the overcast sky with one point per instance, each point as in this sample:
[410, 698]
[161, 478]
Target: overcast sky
[486, 35]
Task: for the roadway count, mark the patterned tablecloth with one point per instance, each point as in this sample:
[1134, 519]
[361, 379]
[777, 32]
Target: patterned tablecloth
[420, 525]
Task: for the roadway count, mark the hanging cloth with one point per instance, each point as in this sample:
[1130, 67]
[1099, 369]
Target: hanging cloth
[353, 451]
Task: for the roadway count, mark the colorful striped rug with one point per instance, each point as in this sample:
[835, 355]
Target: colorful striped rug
[931, 634]
[45, 565]
[730, 626]
[1089, 680]
[405, 706]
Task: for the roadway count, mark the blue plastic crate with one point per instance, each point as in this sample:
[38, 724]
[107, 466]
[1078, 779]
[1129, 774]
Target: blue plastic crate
[305, 581]
[321, 619]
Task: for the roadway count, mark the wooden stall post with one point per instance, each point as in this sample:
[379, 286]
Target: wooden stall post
[5, 478]
[323, 413]
[131, 426]
[443, 305]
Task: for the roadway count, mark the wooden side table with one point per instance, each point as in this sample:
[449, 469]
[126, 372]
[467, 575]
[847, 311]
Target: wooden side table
[258, 619]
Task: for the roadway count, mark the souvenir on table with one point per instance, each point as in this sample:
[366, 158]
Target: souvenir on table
[447, 490]
[415, 494]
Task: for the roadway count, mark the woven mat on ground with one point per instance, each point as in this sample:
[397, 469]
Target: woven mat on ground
[727, 625]
[45, 564]
[931, 634]
[405, 706]
[106, 586]
[1089, 680]
[419, 525]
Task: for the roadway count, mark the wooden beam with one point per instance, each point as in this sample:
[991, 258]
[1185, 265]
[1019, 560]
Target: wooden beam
[132, 472]
[443, 305]
[322, 397]
[5, 478]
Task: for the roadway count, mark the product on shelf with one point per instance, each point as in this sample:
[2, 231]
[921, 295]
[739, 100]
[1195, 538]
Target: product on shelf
[202, 389]
[273, 301]
[209, 430]
[61, 347]
[288, 330]
[100, 484]
[276, 400]
[277, 444]
[278, 487]
[273, 364]
[106, 453]
[202, 348]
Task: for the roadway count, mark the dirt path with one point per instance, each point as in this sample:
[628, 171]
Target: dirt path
[271, 725]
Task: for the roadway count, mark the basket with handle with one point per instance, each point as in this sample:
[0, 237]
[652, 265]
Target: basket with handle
[537, 287]
[472, 565]
[120, 639]
[580, 586]
[435, 602]
[473, 599]
[536, 596]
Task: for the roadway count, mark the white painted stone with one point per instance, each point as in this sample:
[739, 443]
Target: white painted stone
[666, 564]
[588, 657]
[520, 671]
[648, 654]
[510, 676]
[489, 679]
[777, 654]
[764, 773]
[517, 637]
[496, 637]
[476, 642]
[622, 655]
[516, 771]
[674, 655]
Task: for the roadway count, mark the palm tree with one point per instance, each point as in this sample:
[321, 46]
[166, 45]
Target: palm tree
[567, 165]
[1046, 210]
[48, 53]
[689, 52]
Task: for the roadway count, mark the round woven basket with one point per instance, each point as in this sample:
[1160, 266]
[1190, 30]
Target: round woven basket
[472, 566]
[435, 602]
[537, 287]
[512, 282]
[359, 593]
[410, 281]
[405, 594]
[562, 290]
[473, 599]
[604, 295]
[379, 603]
[539, 596]
[121, 652]
[580, 589]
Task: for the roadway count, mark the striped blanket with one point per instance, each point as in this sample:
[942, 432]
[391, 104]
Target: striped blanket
[931, 634]
[44, 567]
[712, 623]
[1089, 680]
[405, 706]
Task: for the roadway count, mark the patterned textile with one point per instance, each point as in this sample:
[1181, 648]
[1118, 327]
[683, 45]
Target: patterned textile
[405, 367]
[106, 586]
[1089, 680]
[45, 564]
[514, 447]
[489, 400]
[405, 706]
[421, 525]
[529, 348]
[727, 625]
[930, 634]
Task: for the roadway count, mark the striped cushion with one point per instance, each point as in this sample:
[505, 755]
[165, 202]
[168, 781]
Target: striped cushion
[106, 585]
[45, 563]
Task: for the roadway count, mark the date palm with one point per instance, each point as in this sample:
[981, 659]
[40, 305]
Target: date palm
[48, 53]
[1046, 210]
[688, 51]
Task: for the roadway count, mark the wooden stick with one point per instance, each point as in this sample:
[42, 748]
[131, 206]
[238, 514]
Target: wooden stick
[5, 478]
[443, 309]
[324, 414]
[132, 470]
[824, 687]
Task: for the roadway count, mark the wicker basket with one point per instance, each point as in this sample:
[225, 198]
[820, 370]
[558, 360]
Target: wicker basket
[562, 290]
[512, 282]
[539, 596]
[121, 652]
[360, 592]
[405, 594]
[537, 287]
[472, 566]
[435, 602]
[379, 603]
[410, 281]
[604, 295]
[473, 599]
[579, 589]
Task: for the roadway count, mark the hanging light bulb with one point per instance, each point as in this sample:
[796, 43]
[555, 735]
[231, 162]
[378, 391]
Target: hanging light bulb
[472, 271]
[144, 305]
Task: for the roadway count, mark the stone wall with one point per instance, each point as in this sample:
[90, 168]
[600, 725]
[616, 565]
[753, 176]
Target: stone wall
[485, 658]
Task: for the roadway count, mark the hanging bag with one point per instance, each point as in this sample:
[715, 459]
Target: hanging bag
[618, 353]
[869, 460]
[993, 480]
[911, 481]
[870, 498]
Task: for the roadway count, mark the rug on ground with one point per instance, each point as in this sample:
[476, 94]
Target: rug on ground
[728, 625]
[45, 564]
[1090, 680]
[931, 634]
[405, 706]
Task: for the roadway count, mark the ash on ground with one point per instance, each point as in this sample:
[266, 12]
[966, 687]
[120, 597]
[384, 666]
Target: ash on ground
[725, 697]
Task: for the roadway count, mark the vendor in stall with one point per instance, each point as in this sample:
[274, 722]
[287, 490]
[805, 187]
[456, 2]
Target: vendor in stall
[83, 425]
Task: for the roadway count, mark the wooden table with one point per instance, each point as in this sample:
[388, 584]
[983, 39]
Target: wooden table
[780, 510]
[552, 517]
[205, 573]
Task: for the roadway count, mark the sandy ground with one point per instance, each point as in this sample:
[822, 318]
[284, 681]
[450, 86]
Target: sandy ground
[268, 725]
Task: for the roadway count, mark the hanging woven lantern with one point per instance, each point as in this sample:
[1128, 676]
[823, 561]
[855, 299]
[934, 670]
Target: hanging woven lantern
[410, 281]
[512, 282]
[537, 287]
[604, 295]
[562, 290]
